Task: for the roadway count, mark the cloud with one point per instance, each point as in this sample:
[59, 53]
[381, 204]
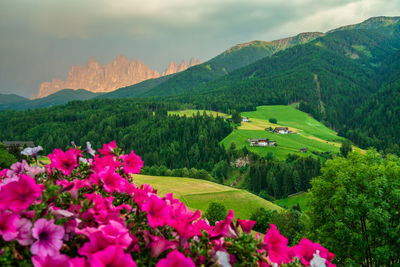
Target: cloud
[56, 34]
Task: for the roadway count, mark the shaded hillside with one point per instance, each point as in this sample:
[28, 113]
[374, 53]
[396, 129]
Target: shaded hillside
[59, 98]
[8, 99]
[377, 122]
[232, 59]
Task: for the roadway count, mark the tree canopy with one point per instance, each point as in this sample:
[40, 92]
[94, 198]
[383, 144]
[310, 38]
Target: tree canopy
[354, 208]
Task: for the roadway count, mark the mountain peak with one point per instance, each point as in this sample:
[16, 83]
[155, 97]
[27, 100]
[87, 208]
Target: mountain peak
[108, 77]
[173, 67]
[373, 22]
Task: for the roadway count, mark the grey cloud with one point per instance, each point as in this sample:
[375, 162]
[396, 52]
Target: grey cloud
[42, 39]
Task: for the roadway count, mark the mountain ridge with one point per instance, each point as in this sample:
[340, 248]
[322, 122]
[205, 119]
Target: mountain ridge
[102, 78]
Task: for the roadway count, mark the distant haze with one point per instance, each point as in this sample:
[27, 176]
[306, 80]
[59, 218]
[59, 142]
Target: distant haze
[41, 40]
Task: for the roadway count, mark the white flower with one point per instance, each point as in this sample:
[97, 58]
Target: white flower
[223, 259]
[317, 261]
[31, 151]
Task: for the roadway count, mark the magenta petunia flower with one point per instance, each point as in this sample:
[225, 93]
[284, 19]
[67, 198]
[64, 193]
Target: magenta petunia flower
[58, 260]
[112, 181]
[18, 168]
[159, 244]
[175, 259]
[65, 161]
[116, 233]
[112, 256]
[306, 250]
[18, 195]
[8, 225]
[24, 229]
[246, 225]
[132, 163]
[107, 161]
[157, 211]
[276, 246]
[224, 227]
[48, 238]
[108, 149]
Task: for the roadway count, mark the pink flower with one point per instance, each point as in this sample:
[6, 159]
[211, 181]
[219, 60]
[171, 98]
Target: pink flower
[74, 186]
[157, 211]
[18, 168]
[306, 249]
[246, 225]
[97, 243]
[58, 260]
[3, 173]
[77, 262]
[175, 259]
[276, 246]
[224, 227]
[65, 161]
[112, 256]
[116, 233]
[108, 149]
[112, 181]
[181, 219]
[8, 225]
[132, 163]
[24, 229]
[49, 238]
[159, 244]
[19, 195]
[107, 161]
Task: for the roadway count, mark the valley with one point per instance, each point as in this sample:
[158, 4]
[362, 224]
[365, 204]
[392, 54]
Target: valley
[308, 133]
[197, 194]
[300, 132]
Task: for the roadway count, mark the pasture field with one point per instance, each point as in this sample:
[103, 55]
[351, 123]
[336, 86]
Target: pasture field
[192, 112]
[293, 200]
[197, 194]
[309, 132]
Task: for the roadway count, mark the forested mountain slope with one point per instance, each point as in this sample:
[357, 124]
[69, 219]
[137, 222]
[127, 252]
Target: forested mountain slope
[232, 59]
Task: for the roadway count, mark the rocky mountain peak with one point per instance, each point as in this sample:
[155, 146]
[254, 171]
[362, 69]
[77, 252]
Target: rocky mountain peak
[119, 73]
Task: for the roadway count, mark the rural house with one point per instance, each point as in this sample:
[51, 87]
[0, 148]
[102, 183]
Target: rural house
[19, 144]
[281, 130]
[261, 142]
[245, 119]
[303, 150]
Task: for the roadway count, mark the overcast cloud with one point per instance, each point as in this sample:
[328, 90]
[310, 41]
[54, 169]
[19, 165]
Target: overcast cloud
[42, 39]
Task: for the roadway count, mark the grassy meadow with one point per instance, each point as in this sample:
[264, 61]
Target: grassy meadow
[197, 194]
[288, 202]
[309, 132]
[192, 112]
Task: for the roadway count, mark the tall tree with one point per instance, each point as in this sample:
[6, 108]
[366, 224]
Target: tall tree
[354, 209]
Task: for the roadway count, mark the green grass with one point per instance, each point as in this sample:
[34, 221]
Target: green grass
[192, 112]
[293, 200]
[311, 133]
[197, 194]
[292, 117]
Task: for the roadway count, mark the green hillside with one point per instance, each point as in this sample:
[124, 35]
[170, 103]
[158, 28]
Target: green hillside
[197, 194]
[11, 99]
[193, 112]
[309, 132]
[59, 98]
[293, 200]
[233, 58]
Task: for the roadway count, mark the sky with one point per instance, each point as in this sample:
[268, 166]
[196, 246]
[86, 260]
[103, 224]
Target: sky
[41, 39]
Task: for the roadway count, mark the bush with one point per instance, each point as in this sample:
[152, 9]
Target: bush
[215, 212]
[273, 120]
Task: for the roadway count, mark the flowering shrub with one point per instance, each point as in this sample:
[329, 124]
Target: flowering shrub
[87, 211]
